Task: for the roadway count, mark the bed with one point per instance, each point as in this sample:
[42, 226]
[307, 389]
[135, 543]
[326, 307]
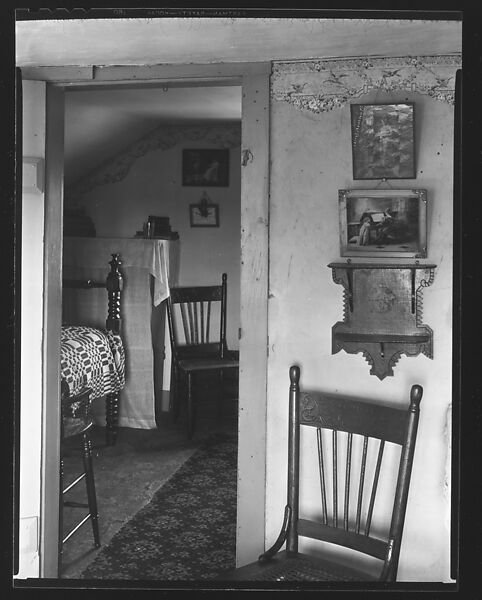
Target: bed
[95, 358]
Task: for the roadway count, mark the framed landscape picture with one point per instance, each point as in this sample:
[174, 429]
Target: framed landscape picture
[207, 168]
[383, 144]
[383, 223]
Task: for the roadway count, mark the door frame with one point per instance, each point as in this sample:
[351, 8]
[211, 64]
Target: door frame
[254, 79]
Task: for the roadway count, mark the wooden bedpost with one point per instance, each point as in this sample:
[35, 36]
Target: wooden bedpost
[114, 285]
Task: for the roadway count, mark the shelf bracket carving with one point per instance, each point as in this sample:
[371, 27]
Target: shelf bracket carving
[382, 313]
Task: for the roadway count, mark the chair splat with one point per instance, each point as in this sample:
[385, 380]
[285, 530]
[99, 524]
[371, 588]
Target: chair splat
[204, 346]
[359, 421]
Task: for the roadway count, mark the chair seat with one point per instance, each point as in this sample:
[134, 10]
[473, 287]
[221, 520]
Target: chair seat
[73, 426]
[295, 568]
[207, 364]
[76, 415]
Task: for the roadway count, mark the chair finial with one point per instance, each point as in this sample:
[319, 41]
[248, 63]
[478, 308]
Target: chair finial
[225, 276]
[416, 394]
[294, 375]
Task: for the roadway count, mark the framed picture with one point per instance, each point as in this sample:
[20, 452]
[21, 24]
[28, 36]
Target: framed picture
[382, 140]
[204, 215]
[205, 167]
[383, 223]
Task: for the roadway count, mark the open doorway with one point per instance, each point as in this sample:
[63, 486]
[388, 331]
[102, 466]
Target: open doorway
[43, 95]
[124, 150]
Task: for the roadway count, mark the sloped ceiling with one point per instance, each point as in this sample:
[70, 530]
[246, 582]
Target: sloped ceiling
[101, 123]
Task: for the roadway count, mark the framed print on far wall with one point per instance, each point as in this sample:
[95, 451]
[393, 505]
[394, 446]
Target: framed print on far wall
[204, 215]
[383, 141]
[207, 168]
[383, 223]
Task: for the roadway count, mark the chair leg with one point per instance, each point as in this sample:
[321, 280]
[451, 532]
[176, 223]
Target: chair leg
[61, 512]
[220, 393]
[111, 418]
[191, 409]
[174, 396]
[90, 485]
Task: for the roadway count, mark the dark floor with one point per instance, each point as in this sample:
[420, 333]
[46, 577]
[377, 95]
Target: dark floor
[129, 473]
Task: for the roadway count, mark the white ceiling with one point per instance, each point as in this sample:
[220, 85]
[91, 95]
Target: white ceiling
[100, 123]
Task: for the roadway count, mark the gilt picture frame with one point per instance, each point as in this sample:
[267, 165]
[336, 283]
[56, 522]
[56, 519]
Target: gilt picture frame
[383, 223]
[383, 140]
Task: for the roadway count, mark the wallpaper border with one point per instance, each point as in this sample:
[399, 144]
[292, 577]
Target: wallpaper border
[322, 85]
[162, 138]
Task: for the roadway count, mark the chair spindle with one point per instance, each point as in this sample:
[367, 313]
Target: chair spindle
[347, 479]
[196, 324]
[208, 318]
[362, 482]
[322, 476]
[191, 322]
[374, 486]
[184, 323]
[201, 306]
[335, 480]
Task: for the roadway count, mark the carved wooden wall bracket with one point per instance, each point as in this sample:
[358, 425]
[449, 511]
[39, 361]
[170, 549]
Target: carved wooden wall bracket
[382, 312]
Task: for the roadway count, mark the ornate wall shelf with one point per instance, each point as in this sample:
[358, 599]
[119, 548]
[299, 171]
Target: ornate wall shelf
[382, 312]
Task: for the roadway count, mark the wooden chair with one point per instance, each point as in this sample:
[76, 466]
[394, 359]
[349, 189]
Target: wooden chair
[204, 346]
[348, 418]
[77, 421]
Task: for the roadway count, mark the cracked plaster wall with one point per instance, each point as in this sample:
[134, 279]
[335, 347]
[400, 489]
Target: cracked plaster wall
[311, 161]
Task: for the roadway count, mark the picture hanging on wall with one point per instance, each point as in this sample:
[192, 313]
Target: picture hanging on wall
[204, 215]
[383, 223]
[209, 168]
[382, 139]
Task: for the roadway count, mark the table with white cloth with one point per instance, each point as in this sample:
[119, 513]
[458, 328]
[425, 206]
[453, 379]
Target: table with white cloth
[149, 267]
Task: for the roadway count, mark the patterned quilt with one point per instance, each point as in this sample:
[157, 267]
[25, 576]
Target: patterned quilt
[92, 357]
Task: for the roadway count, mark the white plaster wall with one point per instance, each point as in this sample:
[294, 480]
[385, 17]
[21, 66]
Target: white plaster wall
[311, 160]
[31, 336]
[153, 186]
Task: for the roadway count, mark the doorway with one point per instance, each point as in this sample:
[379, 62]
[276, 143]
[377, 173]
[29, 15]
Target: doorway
[147, 130]
[252, 331]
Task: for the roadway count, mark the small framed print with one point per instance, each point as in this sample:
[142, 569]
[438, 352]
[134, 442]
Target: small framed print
[204, 215]
[207, 168]
[383, 223]
[383, 141]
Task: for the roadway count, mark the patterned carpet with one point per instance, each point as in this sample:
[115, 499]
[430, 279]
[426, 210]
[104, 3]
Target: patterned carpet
[188, 530]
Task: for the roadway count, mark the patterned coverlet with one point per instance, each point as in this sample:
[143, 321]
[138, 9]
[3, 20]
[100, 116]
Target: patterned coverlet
[92, 357]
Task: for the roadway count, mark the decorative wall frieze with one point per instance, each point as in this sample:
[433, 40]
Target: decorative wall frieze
[322, 85]
[162, 138]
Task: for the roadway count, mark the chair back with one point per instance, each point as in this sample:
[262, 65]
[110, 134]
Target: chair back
[348, 496]
[197, 320]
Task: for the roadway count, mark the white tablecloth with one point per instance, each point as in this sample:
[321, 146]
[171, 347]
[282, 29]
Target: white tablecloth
[148, 267]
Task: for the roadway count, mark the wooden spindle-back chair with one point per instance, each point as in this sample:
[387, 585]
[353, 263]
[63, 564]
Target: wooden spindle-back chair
[76, 420]
[373, 425]
[197, 330]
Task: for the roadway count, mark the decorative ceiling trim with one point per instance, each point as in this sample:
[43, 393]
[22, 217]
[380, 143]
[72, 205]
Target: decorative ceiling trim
[162, 138]
[321, 85]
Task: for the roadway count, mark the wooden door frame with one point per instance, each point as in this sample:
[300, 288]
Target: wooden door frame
[254, 79]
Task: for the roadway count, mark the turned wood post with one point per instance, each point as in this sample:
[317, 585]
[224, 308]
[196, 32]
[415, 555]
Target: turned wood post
[293, 459]
[114, 285]
[389, 572]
